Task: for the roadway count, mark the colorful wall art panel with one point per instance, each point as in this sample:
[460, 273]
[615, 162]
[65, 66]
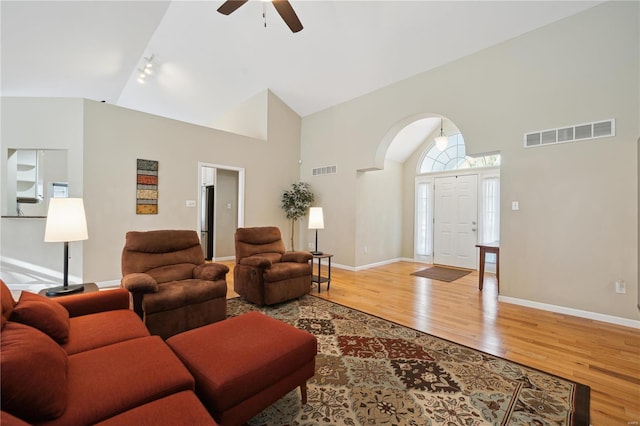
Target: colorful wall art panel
[147, 187]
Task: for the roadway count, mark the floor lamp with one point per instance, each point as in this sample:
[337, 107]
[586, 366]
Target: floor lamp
[65, 222]
[316, 221]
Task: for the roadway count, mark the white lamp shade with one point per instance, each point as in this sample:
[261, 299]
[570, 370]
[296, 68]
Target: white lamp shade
[316, 221]
[65, 220]
[442, 142]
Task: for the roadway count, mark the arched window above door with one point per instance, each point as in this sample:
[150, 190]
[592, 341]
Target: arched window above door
[453, 157]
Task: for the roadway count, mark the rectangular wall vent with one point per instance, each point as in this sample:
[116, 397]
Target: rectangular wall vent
[326, 170]
[578, 132]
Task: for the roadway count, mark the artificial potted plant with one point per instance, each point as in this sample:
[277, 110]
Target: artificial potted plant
[296, 203]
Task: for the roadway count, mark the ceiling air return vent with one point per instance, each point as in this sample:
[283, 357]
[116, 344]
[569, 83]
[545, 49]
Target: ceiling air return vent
[326, 170]
[578, 132]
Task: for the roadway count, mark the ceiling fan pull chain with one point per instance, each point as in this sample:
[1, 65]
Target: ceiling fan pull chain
[264, 13]
[283, 7]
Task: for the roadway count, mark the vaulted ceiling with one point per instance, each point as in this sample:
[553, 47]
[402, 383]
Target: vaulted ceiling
[205, 63]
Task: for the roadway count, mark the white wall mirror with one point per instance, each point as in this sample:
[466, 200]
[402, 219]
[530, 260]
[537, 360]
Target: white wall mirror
[32, 177]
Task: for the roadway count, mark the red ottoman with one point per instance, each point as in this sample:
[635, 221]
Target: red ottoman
[244, 364]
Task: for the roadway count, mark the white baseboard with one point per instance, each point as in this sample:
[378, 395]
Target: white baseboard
[108, 284]
[571, 311]
[376, 264]
[224, 258]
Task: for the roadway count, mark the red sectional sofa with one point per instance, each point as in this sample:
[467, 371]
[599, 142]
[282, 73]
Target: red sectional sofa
[88, 359]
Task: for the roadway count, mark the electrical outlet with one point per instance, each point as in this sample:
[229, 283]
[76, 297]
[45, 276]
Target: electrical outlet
[621, 287]
[310, 245]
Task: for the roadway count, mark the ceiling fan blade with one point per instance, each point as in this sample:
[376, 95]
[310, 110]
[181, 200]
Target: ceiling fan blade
[230, 6]
[287, 13]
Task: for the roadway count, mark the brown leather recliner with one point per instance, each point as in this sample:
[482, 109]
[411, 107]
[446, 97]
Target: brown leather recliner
[266, 274]
[172, 288]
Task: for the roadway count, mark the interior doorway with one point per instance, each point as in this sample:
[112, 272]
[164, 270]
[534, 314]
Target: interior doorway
[220, 209]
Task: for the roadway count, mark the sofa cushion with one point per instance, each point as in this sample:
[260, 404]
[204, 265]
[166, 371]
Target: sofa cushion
[103, 328]
[7, 419]
[285, 271]
[176, 294]
[128, 374]
[34, 373]
[150, 251]
[6, 300]
[264, 239]
[182, 408]
[94, 302]
[45, 314]
[172, 272]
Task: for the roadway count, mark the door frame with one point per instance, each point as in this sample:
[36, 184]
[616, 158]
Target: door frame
[482, 172]
[241, 180]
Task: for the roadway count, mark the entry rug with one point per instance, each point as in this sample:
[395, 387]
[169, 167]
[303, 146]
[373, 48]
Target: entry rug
[442, 274]
[370, 371]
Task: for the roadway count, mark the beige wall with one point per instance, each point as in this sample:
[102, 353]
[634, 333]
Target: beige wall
[115, 137]
[104, 142]
[576, 231]
[379, 212]
[248, 119]
[226, 212]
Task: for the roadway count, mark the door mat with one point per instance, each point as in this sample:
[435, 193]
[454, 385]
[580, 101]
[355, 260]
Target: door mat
[442, 274]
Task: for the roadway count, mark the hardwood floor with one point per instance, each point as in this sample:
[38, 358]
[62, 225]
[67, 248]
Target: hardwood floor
[603, 356]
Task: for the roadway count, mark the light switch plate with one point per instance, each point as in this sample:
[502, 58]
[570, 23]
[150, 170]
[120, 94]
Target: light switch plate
[515, 205]
[190, 203]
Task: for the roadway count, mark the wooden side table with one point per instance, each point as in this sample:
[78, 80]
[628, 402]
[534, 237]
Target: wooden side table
[88, 288]
[484, 249]
[318, 278]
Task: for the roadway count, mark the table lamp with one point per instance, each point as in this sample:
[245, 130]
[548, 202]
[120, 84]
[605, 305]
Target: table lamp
[65, 222]
[316, 221]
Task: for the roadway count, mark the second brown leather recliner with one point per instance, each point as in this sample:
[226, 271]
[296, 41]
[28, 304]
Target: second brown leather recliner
[265, 273]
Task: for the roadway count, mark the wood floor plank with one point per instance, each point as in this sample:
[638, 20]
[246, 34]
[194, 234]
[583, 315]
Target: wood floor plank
[604, 356]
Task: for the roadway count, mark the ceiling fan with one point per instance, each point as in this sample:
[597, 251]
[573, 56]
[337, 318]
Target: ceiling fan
[283, 7]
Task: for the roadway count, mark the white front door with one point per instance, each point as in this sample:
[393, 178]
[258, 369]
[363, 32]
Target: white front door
[456, 221]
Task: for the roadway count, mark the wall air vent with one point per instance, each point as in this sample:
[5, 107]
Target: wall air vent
[326, 170]
[578, 132]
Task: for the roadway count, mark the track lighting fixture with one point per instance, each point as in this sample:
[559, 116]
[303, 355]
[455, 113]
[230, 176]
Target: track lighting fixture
[146, 69]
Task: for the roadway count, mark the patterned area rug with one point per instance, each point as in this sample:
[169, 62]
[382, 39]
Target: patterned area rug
[370, 371]
[442, 274]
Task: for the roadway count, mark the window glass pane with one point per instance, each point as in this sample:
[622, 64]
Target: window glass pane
[427, 165]
[424, 219]
[491, 209]
[454, 157]
[437, 167]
